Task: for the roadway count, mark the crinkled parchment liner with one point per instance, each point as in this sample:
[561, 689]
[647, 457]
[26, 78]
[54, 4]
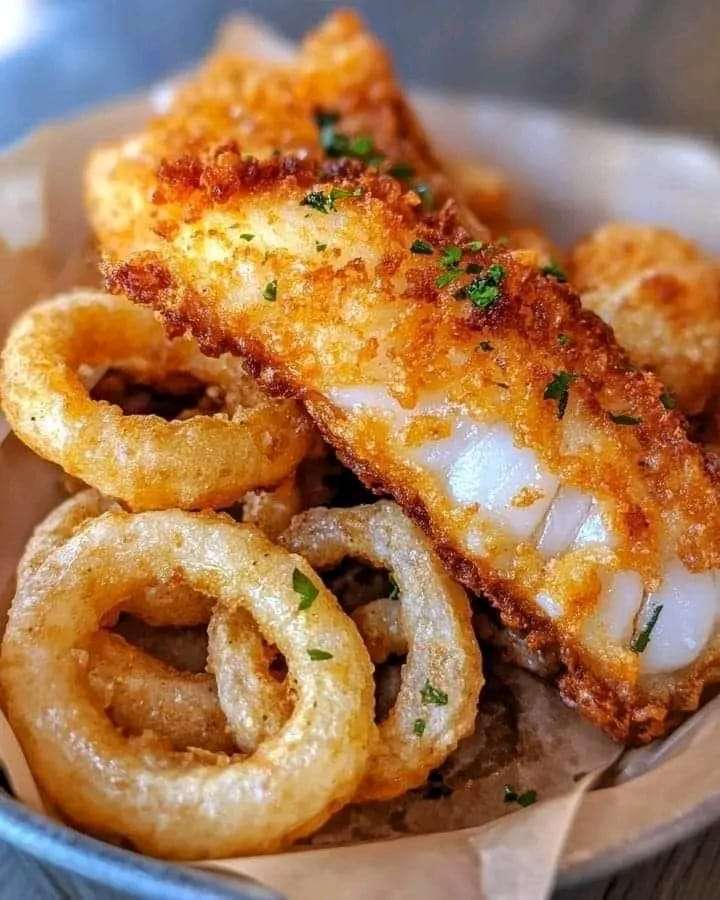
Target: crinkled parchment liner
[578, 173]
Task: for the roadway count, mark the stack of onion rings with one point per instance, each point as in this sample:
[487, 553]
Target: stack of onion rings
[170, 804]
[145, 461]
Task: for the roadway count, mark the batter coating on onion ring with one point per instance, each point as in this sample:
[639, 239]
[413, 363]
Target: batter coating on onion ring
[145, 461]
[442, 677]
[288, 787]
[143, 693]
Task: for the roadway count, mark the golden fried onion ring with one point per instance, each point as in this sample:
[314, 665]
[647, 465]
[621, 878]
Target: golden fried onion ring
[162, 604]
[260, 703]
[442, 676]
[145, 461]
[168, 804]
[381, 626]
[140, 692]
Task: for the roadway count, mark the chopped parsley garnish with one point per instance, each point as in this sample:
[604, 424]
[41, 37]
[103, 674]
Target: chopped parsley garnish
[270, 290]
[325, 203]
[422, 247]
[394, 589]
[510, 795]
[431, 694]
[639, 643]
[564, 340]
[451, 257]
[667, 400]
[402, 171]
[450, 261]
[484, 290]
[553, 268]
[319, 655]
[474, 246]
[335, 143]
[485, 346]
[527, 798]
[317, 200]
[624, 419]
[425, 194]
[442, 281]
[558, 389]
[419, 727]
[305, 588]
[246, 236]
[320, 247]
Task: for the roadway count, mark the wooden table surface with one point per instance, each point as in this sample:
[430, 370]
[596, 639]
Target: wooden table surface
[647, 61]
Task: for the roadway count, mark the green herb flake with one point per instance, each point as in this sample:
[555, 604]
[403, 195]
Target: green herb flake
[484, 291]
[624, 419]
[485, 346]
[317, 200]
[510, 795]
[319, 655]
[337, 193]
[246, 236]
[481, 294]
[447, 278]
[474, 246]
[558, 388]
[451, 257]
[394, 589]
[564, 340]
[320, 247]
[667, 400]
[270, 290]
[402, 171]
[336, 144]
[640, 643]
[421, 247]
[305, 588]
[325, 203]
[555, 270]
[431, 694]
[419, 727]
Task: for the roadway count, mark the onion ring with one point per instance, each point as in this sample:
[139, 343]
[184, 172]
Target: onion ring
[442, 677]
[140, 693]
[381, 626]
[177, 805]
[145, 461]
[162, 604]
[260, 703]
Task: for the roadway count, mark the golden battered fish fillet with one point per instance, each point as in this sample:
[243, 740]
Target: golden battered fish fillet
[661, 295]
[454, 375]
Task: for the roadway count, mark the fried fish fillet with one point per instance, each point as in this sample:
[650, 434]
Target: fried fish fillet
[661, 295]
[280, 212]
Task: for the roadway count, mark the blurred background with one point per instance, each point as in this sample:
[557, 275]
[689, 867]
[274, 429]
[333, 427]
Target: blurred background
[652, 62]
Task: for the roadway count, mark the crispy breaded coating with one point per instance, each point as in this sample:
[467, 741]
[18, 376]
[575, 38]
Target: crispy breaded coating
[454, 374]
[661, 295]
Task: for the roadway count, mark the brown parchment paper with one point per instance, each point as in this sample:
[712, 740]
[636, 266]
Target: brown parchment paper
[578, 174]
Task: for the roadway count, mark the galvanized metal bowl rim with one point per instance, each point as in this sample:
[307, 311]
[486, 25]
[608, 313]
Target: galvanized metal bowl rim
[113, 867]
